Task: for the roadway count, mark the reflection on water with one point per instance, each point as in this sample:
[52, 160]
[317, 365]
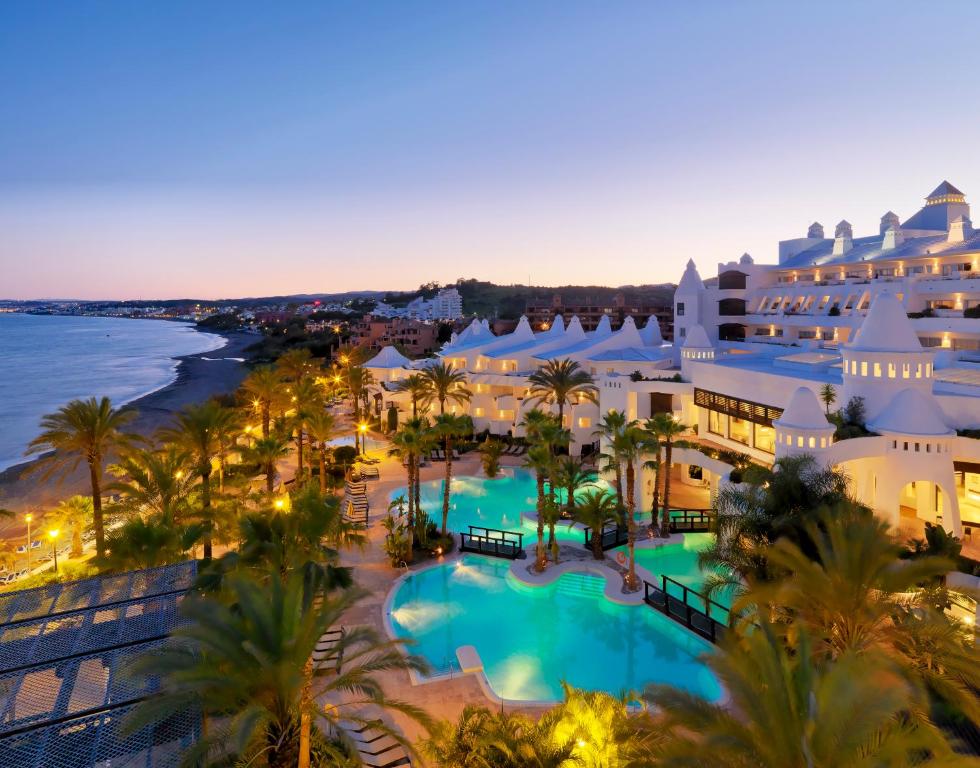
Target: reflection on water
[421, 615]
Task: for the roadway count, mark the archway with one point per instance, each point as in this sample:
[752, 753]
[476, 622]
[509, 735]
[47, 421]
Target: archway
[921, 502]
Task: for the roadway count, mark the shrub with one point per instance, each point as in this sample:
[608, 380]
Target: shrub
[972, 312]
[344, 454]
[854, 412]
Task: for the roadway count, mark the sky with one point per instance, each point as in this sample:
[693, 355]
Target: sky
[227, 149]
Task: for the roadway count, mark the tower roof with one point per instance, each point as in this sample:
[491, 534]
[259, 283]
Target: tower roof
[803, 412]
[944, 190]
[697, 338]
[886, 328]
[388, 357]
[911, 412]
[650, 333]
[690, 280]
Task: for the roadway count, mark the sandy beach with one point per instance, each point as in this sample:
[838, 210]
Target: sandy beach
[199, 377]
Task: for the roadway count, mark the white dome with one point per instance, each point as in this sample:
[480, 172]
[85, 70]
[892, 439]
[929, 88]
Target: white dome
[651, 332]
[388, 357]
[696, 338]
[690, 281]
[803, 412]
[886, 328]
[911, 412]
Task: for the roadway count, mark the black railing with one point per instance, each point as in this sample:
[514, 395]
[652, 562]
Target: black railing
[611, 536]
[492, 541]
[691, 520]
[698, 613]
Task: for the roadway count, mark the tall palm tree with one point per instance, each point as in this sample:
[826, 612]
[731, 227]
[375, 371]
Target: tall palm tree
[628, 447]
[307, 400]
[322, 427]
[229, 430]
[358, 381]
[152, 482]
[266, 452]
[418, 391]
[83, 430]
[666, 430]
[543, 434]
[570, 475]
[610, 426]
[197, 429]
[787, 710]
[295, 365]
[73, 513]
[828, 395]
[446, 384]
[557, 381]
[595, 509]
[412, 442]
[856, 595]
[244, 661]
[447, 427]
[264, 386]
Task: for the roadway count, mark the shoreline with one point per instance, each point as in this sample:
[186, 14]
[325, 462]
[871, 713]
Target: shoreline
[197, 377]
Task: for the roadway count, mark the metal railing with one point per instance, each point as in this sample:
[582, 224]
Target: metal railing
[612, 535]
[492, 541]
[691, 520]
[704, 617]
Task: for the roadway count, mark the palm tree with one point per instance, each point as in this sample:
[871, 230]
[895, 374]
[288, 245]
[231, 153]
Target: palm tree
[610, 426]
[73, 513]
[770, 505]
[787, 710]
[411, 443]
[197, 429]
[571, 474]
[295, 365]
[447, 427]
[418, 390]
[244, 661]
[490, 451]
[321, 426]
[595, 509]
[358, 381]
[828, 396]
[83, 430]
[856, 595]
[628, 448]
[543, 433]
[147, 543]
[266, 452]
[264, 386]
[559, 380]
[307, 400]
[228, 431]
[665, 429]
[154, 482]
[446, 384]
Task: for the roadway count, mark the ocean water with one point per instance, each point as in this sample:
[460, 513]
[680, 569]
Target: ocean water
[48, 360]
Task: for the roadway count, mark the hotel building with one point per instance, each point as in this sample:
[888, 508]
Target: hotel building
[888, 318]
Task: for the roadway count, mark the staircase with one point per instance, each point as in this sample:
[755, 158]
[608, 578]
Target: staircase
[581, 585]
[355, 503]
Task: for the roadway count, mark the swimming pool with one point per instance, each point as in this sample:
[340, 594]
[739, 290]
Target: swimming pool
[532, 638]
[497, 503]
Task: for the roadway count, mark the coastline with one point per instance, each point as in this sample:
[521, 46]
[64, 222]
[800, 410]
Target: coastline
[197, 377]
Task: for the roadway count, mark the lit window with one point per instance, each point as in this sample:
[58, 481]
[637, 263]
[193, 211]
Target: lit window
[864, 368]
[877, 370]
[584, 422]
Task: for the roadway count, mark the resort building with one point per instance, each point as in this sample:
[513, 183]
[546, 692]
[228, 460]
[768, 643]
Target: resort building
[882, 327]
[375, 333]
[540, 312]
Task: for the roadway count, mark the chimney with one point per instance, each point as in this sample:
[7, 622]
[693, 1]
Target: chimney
[888, 221]
[960, 229]
[815, 232]
[892, 239]
[843, 237]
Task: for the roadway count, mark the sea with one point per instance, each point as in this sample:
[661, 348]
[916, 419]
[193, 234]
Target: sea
[47, 360]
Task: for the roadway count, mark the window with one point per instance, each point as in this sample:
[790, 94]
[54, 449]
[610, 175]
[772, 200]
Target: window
[739, 430]
[584, 422]
[717, 423]
[683, 332]
[764, 438]
[680, 309]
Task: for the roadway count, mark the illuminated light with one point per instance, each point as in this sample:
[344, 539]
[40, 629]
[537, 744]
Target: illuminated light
[179, 474]
[28, 517]
[280, 503]
[580, 743]
[968, 620]
[53, 534]
[362, 428]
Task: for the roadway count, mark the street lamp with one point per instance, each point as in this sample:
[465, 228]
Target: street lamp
[53, 535]
[28, 517]
[362, 428]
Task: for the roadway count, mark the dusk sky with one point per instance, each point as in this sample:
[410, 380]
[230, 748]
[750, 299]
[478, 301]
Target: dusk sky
[212, 149]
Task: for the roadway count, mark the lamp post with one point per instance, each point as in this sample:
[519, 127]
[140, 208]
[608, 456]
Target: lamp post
[362, 428]
[28, 517]
[53, 535]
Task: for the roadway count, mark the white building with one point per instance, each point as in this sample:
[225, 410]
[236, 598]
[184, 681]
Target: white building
[753, 353]
[447, 304]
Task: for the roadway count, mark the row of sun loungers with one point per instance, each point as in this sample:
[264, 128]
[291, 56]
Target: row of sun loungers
[514, 450]
[375, 746]
[438, 454]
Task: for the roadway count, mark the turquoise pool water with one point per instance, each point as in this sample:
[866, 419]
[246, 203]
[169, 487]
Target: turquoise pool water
[496, 503]
[532, 638]
[680, 562]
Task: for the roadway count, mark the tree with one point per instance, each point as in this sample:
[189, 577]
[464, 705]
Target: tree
[295, 366]
[557, 381]
[828, 396]
[358, 381]
[448, 427]
[446, 384]
[154, 483]
[609, 427]
[266, 452]
[490, 452]
[83, 430]
[307, 400]
[322, 426]
[417, 387]
[264, 386]
[852, 593]
[244, 661]
[147, 543]
[787, 710]
[772, 504]
[628, 447]
[571, 474]
[73, 513]
[595, 509]
[197, 429]
[665, 430]
[412, 442]
[543, 434]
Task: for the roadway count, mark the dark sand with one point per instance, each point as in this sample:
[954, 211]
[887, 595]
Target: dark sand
[197, 380]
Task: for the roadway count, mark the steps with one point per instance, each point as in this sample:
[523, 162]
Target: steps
[581, 585]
